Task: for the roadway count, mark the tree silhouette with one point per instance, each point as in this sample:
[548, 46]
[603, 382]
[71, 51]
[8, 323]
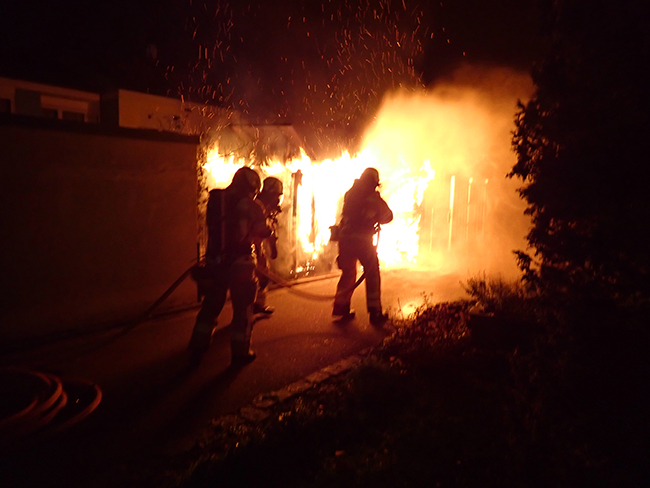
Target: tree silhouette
[582, 153]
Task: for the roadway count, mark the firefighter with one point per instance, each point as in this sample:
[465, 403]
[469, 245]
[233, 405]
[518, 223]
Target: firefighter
[234, 220]
[269, 199]
[364, 210]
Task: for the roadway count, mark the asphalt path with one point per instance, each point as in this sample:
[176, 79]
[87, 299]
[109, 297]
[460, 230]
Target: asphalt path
[155, 402]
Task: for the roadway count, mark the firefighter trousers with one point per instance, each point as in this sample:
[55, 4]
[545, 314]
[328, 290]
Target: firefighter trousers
[239, 279]
[261, 272]
[352, 249]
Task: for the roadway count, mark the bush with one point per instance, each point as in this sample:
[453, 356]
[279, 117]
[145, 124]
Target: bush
[430, 408]
[506, 299]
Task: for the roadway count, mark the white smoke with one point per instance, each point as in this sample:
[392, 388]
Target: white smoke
[461, 127]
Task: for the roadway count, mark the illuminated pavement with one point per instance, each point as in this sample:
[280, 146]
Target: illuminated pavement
[153, 400]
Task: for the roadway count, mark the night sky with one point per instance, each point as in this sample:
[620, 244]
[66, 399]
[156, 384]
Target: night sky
[290, 61]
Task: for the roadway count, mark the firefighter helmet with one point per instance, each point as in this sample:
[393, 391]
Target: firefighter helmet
[370, 176]
[247, 179]
[272, 185]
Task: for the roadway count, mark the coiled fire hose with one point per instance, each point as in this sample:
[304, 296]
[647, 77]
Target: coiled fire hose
[36, 405]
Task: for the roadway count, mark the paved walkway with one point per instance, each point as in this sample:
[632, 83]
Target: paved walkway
[153, 401]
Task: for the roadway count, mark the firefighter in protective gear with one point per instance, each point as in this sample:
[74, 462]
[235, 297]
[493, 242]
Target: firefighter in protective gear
[269, 200]
[234, 220]
[364, 210]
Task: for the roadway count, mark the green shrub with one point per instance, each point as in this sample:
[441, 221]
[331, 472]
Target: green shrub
[508, 299]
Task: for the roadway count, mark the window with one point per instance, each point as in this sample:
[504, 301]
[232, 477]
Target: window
[50, 113]
[66, 108]
[76, 116]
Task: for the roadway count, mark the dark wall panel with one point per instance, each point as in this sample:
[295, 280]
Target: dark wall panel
[95, 227]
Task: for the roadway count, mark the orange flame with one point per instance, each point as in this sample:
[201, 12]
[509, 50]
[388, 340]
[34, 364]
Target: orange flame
[431, 151]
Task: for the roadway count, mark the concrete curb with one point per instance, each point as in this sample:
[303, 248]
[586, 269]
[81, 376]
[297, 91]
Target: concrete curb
[261, 407]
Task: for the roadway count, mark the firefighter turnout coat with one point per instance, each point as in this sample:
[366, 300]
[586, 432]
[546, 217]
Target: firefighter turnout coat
[364, 210]
[234, 222]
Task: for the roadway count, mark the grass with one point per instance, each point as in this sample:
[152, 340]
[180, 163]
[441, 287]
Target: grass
[436, 405]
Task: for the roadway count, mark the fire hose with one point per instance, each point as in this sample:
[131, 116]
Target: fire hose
[271, 276]
[289, 286]
[43, 404]
[37, 405]
[168, 292]
[274, 278]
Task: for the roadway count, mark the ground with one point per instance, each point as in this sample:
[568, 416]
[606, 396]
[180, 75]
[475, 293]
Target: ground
[437, 404]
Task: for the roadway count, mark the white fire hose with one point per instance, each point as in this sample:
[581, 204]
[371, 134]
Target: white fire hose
[274, 278]
[289, 286]
[280, 282]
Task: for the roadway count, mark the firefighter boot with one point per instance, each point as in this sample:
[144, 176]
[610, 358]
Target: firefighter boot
[343, 311]
[242, 354]
[201, 337]
[262, 309]
[377, 317]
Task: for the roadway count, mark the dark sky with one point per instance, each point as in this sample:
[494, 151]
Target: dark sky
[106, 41]
[91, 44]
[289, 60]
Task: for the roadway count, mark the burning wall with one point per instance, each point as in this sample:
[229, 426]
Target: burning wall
[442, 154]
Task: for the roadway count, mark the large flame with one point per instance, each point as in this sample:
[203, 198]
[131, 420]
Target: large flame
[437, 155]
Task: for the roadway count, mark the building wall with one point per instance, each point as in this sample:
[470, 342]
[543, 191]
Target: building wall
[125, 108]
[96, 224]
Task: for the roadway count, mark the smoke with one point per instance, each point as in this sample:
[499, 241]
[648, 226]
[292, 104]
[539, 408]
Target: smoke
[461, 129]
[443, 156]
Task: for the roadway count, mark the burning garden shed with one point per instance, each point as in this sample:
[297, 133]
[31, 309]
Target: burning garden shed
[442, 157]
